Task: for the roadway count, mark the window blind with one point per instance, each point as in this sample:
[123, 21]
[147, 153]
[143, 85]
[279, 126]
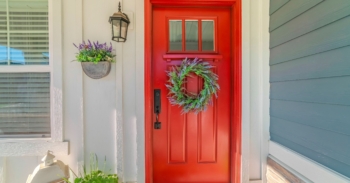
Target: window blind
[24, 96]
[24, 32]
[25, 104]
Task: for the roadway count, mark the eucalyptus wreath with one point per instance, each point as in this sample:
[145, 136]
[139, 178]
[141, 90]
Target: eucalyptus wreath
[178, 94]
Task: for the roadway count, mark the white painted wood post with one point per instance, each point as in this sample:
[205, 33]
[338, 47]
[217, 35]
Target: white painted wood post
[2, 169]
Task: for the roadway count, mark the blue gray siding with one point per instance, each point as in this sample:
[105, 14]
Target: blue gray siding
[310, 79]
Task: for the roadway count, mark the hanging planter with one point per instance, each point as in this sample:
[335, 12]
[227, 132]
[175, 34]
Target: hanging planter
[96, 71]
[95, 58]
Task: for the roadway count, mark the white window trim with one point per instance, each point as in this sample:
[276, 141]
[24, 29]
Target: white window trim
[305, 166]
[39, 146]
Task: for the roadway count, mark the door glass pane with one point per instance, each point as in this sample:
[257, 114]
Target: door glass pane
[208, 35]
[175, 35]
[191, 35]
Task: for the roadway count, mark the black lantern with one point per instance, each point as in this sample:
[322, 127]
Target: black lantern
[120, 23]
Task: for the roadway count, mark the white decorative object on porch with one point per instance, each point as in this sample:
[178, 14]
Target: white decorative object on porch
[52, 171]
[48, 158]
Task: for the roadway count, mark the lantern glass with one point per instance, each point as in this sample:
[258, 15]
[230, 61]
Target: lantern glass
[124, 29]
[116, 28]
[119, 29]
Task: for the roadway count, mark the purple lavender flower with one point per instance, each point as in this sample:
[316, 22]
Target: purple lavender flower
[111, 47]
[94, 51]
[95, 45]
[90, 45]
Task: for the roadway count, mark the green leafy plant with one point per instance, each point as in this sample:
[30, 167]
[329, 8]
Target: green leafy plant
[94, 175]
[178, 94]
[94, 52]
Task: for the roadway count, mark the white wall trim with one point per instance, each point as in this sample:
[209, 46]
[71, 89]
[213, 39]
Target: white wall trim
[255, 90]
[255, 181]
[291, 170]
[245, 90]
[55, 37]
[25, 68]
[140, 88]
[31, 147]
[79, 38]
[305, 166]
[265, 91]
[119, 151]
[2, 169]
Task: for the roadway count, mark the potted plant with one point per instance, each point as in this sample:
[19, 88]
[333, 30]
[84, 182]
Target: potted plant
[95, 175]
[95, 58]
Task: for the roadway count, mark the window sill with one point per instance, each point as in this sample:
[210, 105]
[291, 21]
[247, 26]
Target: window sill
[31, 147]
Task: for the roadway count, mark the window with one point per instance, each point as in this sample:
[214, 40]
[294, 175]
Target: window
[25, 104]
[192, 35]
[24, 96]
[30, 77]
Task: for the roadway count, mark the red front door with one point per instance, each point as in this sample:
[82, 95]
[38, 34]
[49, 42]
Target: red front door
[192, 147]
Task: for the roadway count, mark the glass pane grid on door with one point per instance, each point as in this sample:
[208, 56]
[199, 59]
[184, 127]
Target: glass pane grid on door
[191, 35]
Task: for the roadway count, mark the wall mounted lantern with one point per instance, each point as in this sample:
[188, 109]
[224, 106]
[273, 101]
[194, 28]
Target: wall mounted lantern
[120, 23]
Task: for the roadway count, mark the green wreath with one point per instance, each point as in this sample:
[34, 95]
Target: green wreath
[178, 95]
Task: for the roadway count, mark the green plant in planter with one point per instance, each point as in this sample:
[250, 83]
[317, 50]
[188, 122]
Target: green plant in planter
[94, 52]
[95, 175]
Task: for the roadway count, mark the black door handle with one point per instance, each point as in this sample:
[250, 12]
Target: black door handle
[157, 108]
[157, 101]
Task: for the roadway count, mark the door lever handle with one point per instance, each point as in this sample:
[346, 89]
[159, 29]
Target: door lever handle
[157, 101]
[157, 108]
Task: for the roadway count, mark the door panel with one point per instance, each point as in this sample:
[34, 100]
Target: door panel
[192, 147]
